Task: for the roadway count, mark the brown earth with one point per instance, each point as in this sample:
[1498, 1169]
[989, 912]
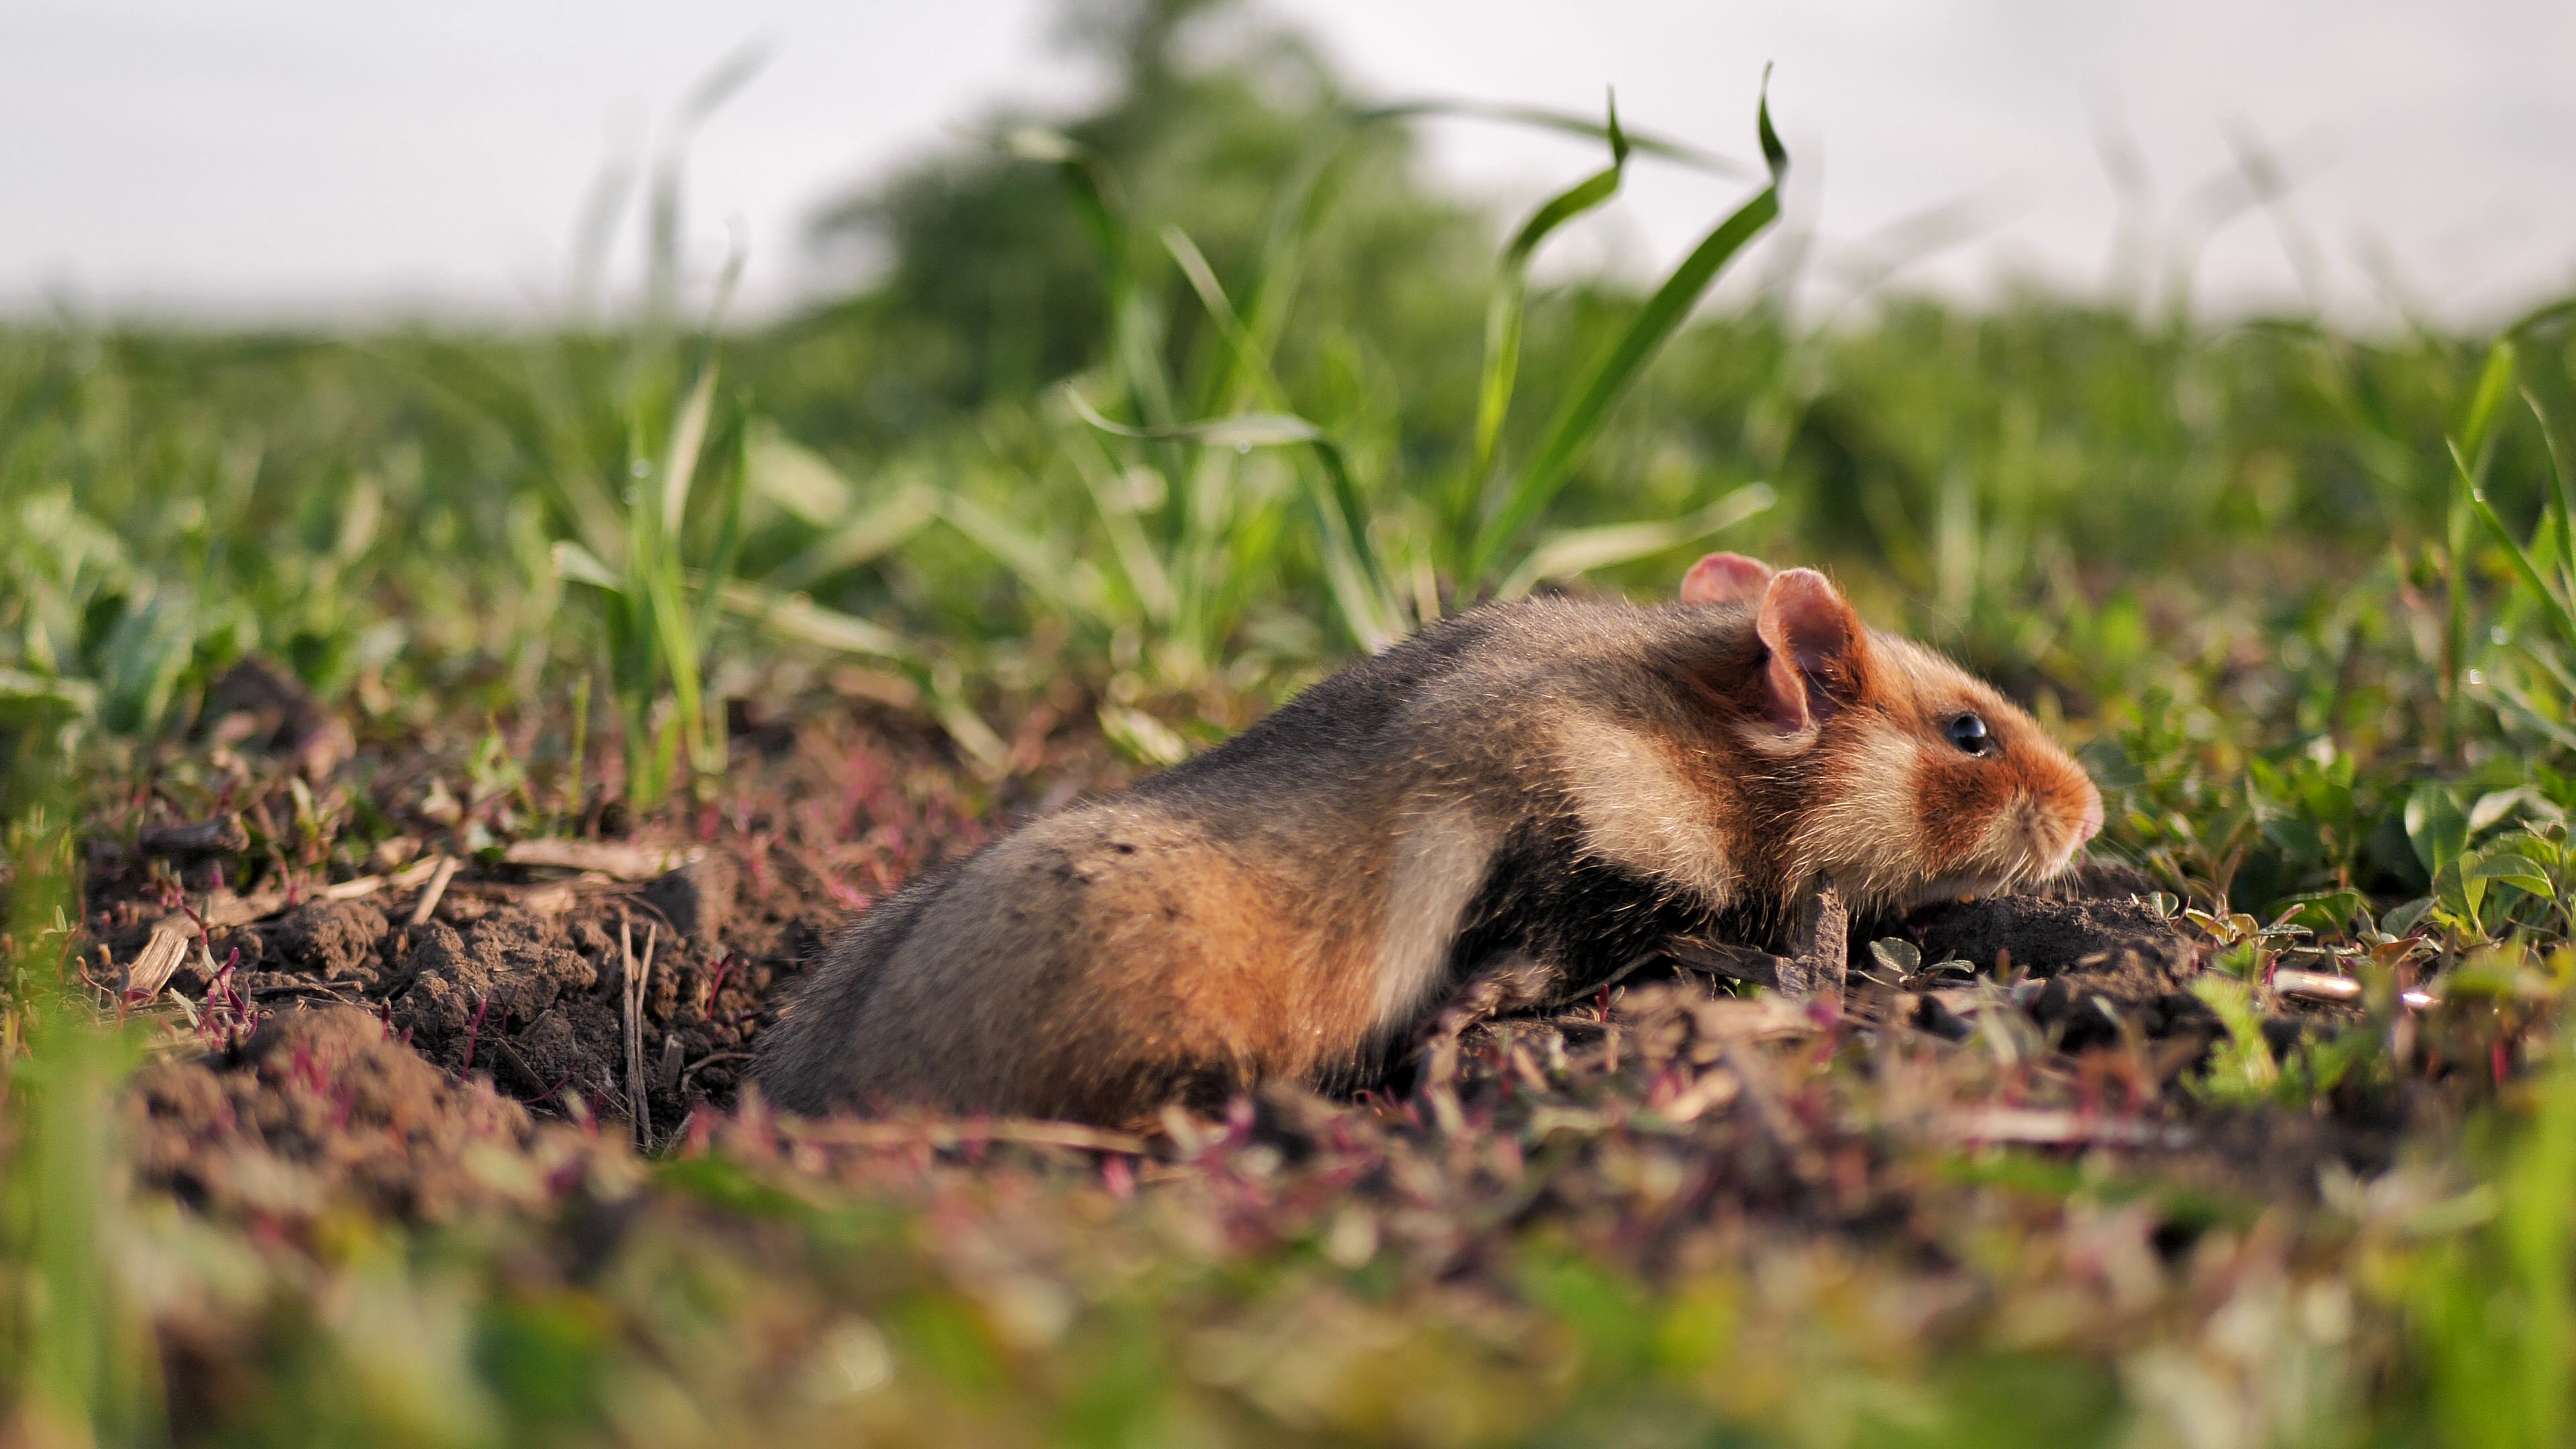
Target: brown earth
[342, 1049]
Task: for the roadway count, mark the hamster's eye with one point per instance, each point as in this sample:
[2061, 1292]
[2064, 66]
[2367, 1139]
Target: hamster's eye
[1968, 732]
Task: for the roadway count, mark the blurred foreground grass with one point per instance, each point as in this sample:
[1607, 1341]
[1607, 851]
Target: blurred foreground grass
[2301, 596]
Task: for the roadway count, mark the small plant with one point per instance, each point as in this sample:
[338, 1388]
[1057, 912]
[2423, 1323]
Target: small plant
[658, 517]
[658, 604]
[1186, 509]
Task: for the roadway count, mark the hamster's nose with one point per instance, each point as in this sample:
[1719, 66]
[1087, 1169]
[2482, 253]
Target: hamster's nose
[2092, 825]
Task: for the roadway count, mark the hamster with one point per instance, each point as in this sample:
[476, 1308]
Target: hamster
[1556, 783]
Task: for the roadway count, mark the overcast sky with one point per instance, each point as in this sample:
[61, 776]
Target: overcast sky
[323, 157]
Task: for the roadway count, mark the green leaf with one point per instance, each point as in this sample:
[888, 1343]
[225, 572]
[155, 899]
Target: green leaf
[23, 694]
[2241, 1067]
[142, 659]
[2510, 869]
[2327, 911]
[1896, 956]
[2403, 918]
[2436, 827]
[2493, 807]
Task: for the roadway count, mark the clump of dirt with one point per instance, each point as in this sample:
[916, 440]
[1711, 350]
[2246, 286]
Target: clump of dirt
[497, 949]
[331, 939]
[2048, 937]
[494, 984]
[2106, 963]
[319, 1107]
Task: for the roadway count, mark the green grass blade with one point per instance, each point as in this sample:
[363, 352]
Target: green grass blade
[1584, 411]
[2494, 381]
[579, 565]
[676, 633]
[1084, 180]
[1296, 212]
[1147, 578]
[796, 478]
[1134, 329]
[1336, 496]
[2565, 494]
[990, 752]
[1582, 550]
[473, 384]
[2543, 597]
[1348, 572]
[2548, 313]
[726, 557]
[792, 616]
[1374, 622]
[1302, 203]
[1247, 368]
[1568, 122]
[1243, 430]
[1503, 311]
[867, 535]
[1037, 564]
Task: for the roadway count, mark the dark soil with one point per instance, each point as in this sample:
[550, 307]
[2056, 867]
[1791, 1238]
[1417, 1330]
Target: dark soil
[506, 1002]
[2105, 962]
[320, 1106]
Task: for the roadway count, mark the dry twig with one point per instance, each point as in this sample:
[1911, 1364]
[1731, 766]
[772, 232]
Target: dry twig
[442, 870]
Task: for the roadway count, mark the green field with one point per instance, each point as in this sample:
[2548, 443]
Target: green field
[1153, 418]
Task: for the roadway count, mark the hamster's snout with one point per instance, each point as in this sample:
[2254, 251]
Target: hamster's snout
[2081, 823]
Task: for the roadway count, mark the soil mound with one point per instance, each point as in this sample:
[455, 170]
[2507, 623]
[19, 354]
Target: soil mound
[2105, 963]
[320, 1107]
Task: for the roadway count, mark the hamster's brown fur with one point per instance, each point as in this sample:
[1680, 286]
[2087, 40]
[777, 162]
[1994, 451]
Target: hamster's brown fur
[1557, 782]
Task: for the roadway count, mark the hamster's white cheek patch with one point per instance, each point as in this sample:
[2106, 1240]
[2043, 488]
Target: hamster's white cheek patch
[1864, 832]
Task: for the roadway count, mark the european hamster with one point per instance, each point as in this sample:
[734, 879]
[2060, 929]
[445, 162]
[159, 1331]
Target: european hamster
[1558, 782]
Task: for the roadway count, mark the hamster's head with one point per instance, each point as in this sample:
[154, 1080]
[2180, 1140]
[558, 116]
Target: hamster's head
[1888, 767]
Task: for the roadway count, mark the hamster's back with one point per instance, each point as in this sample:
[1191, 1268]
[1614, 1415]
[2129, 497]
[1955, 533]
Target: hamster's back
[1204, 929]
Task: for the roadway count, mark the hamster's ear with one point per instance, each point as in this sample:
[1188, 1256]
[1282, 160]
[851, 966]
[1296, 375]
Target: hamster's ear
[1812, 634]
[1725, 578]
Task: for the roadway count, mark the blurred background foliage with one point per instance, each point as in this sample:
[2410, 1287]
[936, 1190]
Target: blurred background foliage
[2276, 579]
